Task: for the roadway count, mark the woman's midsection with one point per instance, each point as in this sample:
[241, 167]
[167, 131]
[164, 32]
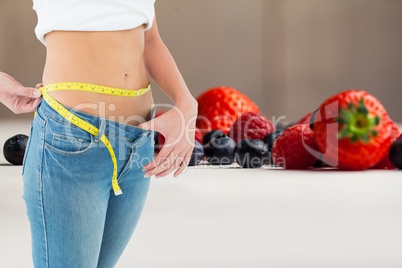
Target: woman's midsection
[113, 59]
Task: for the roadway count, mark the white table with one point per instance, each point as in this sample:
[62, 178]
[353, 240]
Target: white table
[230, 217]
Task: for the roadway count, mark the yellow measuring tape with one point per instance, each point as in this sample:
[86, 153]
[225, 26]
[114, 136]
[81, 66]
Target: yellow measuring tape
[76, 86]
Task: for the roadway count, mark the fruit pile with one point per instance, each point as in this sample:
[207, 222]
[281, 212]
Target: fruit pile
[350, 131]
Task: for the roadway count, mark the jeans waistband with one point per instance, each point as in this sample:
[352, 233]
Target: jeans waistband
[112, 128]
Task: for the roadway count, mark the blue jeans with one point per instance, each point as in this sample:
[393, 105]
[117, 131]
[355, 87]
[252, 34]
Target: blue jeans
[75, 218]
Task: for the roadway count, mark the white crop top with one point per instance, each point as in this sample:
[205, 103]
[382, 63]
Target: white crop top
[91, 15]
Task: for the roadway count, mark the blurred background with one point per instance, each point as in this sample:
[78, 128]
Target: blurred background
[286, 55]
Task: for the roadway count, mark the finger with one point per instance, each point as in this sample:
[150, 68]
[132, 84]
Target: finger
[163, 153]
[26, 105]
[34, 103]
[28, 92]
[183, 165]
[166, 163]
[175, 164]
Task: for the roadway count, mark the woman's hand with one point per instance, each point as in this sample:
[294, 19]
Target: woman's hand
[177, 125]
[16, 97]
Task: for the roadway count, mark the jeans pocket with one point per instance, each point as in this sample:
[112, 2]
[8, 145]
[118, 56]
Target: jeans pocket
[67, 139]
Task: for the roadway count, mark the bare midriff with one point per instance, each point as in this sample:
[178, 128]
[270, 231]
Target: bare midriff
[107, 58]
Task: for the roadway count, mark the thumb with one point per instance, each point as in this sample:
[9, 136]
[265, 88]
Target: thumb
[28, 92]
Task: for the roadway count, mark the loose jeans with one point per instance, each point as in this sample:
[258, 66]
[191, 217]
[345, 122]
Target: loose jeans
[75, 218]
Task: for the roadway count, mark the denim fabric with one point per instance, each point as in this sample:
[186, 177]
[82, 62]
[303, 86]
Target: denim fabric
[75, 218]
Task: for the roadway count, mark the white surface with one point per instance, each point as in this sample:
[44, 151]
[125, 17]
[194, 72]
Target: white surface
[242, 218]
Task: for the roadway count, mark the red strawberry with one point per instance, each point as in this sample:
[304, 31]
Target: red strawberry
[353, 129]
[218, 108]
[385, 163]
[305, 119]
[198, 135]
[251, 125]
[292, 149]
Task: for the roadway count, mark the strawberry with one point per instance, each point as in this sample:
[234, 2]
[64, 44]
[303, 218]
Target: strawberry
[198, 135]
[385, 163]
[353, 129]
[250, 125]
[219, 107]
[292, 149]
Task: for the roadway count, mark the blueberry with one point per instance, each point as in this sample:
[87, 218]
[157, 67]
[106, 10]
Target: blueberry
[212, 134]
[14, 149]
[320, 164]
[220, 151]
[251, 153]
[270, 138]
[395, 153]
[197, 154]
